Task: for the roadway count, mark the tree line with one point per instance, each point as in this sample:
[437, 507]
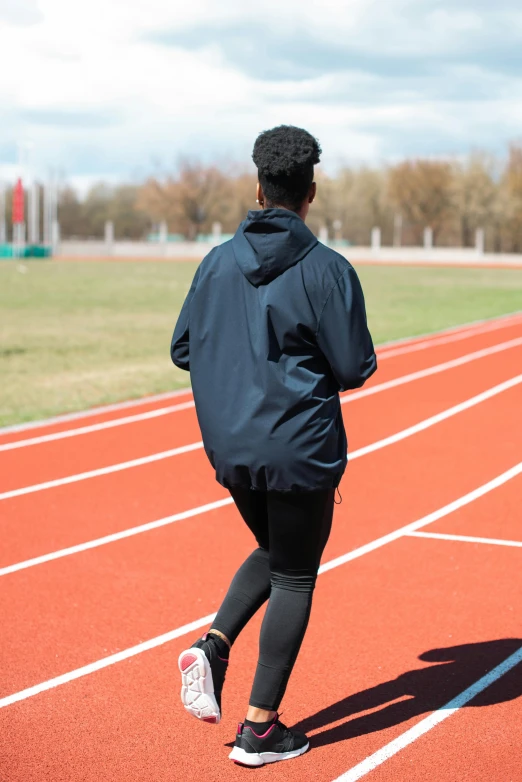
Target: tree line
[452, 197]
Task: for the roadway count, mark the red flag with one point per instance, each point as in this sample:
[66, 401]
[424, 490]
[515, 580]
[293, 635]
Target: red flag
[18, 203]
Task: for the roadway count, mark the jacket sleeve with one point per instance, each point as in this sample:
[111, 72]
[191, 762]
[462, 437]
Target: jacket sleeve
[179, 347]
[342, 333]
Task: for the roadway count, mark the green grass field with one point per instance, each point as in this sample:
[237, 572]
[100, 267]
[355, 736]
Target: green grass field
[75, 335]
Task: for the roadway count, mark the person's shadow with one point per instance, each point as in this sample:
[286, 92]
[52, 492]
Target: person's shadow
[420, 691]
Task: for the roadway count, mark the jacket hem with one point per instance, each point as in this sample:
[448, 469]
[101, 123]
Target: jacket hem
[334, 484]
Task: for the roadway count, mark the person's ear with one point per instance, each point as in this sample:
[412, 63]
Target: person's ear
[260, 198]
[312, 192]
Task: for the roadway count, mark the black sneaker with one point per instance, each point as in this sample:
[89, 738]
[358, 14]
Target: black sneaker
[202, 676]
[278, 743]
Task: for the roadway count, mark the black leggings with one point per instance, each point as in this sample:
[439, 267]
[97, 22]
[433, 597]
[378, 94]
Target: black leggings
[291, 530]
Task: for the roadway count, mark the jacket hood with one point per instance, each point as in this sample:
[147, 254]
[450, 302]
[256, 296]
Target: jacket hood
[269, 242]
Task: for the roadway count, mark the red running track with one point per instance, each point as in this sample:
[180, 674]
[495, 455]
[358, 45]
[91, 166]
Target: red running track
[373, 619]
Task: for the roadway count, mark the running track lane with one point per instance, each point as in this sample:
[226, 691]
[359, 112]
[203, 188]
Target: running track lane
[497, 517]
[183, 397]
[373, 620]
[476, 745]
[16, 463]
[49, 460]
[82, 511]
[125, 592]
[481, 741]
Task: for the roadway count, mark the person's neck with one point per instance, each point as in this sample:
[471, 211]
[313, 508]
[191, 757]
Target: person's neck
[299, 212]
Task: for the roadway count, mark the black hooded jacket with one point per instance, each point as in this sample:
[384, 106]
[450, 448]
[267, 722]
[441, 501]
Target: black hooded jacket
[273, 327]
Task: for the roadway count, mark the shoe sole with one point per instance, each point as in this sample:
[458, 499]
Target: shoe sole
[252, 759]
[197, 686]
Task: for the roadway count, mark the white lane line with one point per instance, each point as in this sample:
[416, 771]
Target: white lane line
[128, 419]
[463, 538]
[100, 410]
[436, 419]
[152, 643]
[395, 438]
[425, 725]
[422, 373]
[106, 661]
[83, 476]
[503, 320]
[169, 409]
[461, 335]
[351, 397]
[429, 519]
[112, 538]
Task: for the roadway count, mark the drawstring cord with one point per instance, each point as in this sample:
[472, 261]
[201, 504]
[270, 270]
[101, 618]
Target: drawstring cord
[340, 498]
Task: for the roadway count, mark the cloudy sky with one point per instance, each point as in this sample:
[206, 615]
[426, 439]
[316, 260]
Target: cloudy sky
[119, 88]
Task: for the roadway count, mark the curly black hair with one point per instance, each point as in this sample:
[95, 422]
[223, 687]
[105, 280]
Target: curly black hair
[285, 158]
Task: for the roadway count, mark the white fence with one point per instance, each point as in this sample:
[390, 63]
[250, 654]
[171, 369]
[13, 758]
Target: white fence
[127, 250]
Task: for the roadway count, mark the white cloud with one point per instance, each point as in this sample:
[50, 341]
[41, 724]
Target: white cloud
[23, 12]
[99, 95]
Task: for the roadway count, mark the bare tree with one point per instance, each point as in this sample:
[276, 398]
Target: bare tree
[130, 222]
[96, 208]
[326, 208]
[474, 195]
[454, 198]
[511, 194]
[189, 201]
[365, 205]
[421, 190]
[236, 199]
[70, 209]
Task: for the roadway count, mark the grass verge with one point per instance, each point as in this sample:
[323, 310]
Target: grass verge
[76, 335]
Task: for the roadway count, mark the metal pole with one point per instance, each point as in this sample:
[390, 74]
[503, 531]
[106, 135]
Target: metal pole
[45, 220]
[3, 226]
[55, 236]
[216, 232]
[34, 209]
[479, 241]
[109, 236]
[323, 234]
[397, 230]
[54, 202]
[55, 228]
[48, 212]
[163, 233]
[18, 239]
[37, 191]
